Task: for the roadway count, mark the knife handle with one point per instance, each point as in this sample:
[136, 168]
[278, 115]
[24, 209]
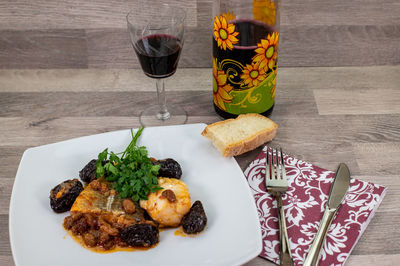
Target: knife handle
[285, 254]
[312, 258]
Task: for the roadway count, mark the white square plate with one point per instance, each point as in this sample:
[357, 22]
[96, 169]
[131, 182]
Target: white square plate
[232, 236]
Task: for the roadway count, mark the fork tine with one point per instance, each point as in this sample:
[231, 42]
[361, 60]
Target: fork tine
[272, 164]
[267, 167]
[283, 166]
[278, 171]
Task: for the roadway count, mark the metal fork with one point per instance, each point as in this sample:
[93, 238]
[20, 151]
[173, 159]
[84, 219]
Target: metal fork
[276, 184]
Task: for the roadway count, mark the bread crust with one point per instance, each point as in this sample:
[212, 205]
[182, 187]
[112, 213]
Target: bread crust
[247, 144]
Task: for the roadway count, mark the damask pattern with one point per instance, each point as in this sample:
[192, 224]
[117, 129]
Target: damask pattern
[304, 203]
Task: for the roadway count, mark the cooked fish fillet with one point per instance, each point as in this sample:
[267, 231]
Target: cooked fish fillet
[101, 219]
[98, 198]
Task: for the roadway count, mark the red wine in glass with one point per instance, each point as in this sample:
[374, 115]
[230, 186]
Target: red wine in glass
[158, 54]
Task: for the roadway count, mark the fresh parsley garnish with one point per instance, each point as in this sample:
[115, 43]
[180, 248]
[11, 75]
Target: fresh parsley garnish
[132, 174]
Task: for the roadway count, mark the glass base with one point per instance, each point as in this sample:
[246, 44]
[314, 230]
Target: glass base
[152, 116]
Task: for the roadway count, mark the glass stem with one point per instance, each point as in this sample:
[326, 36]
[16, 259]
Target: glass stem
[163, 114]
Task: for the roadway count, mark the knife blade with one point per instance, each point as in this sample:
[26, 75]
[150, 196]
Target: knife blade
[340, 185]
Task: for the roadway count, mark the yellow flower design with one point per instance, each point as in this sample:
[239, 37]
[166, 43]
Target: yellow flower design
[267, 51]
[220, 88]
[224, 33]
[264, 10]
[229, 16]
[274, 83]
[252, 75]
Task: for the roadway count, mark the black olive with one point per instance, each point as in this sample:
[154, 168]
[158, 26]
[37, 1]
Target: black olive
[140, 235]
[88, 173]
[169, 168]
[195, 220]
[63, 195]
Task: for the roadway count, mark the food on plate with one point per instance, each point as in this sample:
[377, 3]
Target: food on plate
[128, 196]
[169, 168]
[195, 220]
[99, 217]
[236, 136]
[63, 195]
[133, 174]
[88, 173]
[143, 235]
[168, 205]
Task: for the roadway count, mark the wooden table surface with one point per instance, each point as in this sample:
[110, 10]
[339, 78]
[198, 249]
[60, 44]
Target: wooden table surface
[326, 115]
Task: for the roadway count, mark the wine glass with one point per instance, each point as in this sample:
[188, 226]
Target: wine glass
[156, 32]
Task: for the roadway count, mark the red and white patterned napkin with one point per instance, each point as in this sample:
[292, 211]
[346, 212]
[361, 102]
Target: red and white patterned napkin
[304, 204]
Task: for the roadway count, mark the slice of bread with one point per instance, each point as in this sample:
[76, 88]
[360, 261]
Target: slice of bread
[245, 133]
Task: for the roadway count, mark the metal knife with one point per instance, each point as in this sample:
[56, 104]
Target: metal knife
[339, 188]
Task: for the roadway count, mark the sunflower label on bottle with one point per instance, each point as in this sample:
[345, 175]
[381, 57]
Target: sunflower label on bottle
[245, 61]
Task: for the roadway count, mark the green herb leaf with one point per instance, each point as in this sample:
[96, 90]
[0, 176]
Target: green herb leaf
[112, 169]
[99, 163]
[102, 156]
[133, 173]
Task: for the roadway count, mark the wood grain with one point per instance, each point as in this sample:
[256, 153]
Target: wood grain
[106, 80]
[358, 101]
[40, 49]
[6, 260]
[373, 236]
[130, 103]
[95, 104]
[10, 159]
[342, 129]
[110, 80]
[5, 249]
[36, 132]
[40, 34]
[370, 155]
[347, 78]
[340, 12]
[5, 194]
[75, 14]
[53, 130]
[381, 260]
[339, 45]
[339, 138]
[333, 45]
[110, 48]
